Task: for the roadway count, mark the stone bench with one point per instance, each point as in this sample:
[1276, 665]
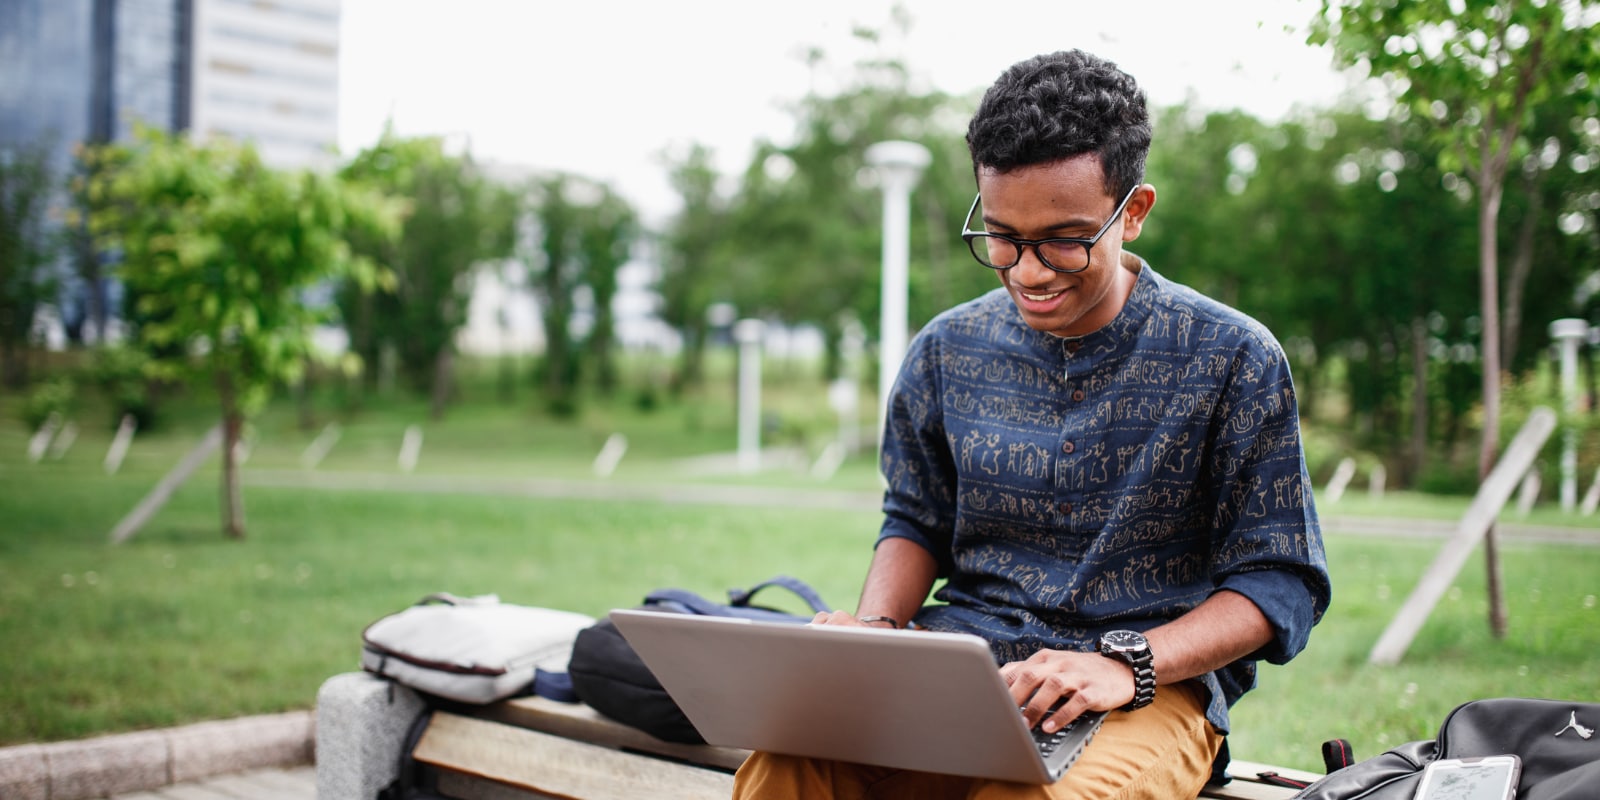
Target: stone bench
[536, 748]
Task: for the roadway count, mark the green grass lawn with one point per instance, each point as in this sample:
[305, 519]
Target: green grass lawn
[1552, 649]
[179, 625]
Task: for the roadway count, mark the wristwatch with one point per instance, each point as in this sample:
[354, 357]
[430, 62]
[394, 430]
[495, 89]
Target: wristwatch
[1131, 648]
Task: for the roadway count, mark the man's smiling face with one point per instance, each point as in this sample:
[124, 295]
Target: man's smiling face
[1065, 199]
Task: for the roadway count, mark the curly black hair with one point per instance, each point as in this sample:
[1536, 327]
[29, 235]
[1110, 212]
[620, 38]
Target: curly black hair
[1061, 105]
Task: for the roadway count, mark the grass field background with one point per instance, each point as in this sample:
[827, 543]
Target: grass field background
[179, 624]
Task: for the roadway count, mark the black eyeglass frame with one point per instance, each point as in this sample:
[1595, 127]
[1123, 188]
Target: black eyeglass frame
[971, 237]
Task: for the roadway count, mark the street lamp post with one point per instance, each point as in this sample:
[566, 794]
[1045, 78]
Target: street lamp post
[1569, 333]
[748, 333]
[899, 164]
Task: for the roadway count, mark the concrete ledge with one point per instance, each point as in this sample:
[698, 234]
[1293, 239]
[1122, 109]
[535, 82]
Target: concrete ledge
[213, 748]
[24, 773]
[134, 762]
[109, 765]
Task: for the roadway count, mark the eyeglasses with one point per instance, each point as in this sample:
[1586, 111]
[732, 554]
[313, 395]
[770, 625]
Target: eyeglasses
[998, 251]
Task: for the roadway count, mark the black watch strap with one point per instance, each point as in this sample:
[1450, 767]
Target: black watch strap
[1140, 659]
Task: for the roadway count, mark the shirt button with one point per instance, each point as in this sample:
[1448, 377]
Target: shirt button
[1067, 447]
[1072, 347]
[1077, 395]
[1066, 508]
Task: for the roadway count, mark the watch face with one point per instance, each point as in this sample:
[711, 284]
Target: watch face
[1123, 641]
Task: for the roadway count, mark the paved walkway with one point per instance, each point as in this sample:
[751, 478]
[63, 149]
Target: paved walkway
[293, 783]
[791, 497]
[563, 489]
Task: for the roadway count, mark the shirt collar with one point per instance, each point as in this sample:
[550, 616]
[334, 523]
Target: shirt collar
[1115, 335]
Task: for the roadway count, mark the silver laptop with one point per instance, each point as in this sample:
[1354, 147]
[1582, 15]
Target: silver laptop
[916, 700]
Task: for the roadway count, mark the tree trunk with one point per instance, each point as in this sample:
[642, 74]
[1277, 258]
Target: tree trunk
[1308, 381]
[302, 401]
[364, 343]
[89, 268]
[554, 369]
[832, 351]
[1593, 382]
[601, 354]
[1521, 268]
[13, 365]
[232, 427]
[1488, 292]
[443, 379]
[506, 385]
[1419, 398]
[691, 369]
[940, 295]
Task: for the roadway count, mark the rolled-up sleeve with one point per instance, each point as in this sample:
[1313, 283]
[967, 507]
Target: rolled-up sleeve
[1267, 541]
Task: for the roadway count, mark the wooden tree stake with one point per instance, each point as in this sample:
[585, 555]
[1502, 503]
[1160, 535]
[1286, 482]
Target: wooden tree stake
[1492, 497]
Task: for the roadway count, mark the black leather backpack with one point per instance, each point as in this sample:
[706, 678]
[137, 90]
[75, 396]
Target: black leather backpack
[1556, 740]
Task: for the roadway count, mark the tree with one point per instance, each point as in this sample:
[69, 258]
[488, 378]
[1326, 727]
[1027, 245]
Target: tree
[583, 234]
[554, 272]
[220, 251]
[694, 259]
[806, 222]
[605, 239]
[799, 240]
[1545, 207]
[1478, 68]
[1331, 229]
[455, 218]
[87, 260]
[27, 248]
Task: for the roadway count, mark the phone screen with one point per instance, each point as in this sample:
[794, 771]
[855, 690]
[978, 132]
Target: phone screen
[1489, 779]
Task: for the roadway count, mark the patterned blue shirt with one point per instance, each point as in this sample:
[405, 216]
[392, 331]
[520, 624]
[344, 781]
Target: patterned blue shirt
[1067, 487]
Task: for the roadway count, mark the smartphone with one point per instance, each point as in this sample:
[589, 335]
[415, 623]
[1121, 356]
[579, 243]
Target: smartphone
[1486, 778]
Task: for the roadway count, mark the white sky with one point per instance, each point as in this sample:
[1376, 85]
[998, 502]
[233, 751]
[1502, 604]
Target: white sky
[603, 88]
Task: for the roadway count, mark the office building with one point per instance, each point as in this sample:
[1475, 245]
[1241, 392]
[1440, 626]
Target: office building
[76, 72]
[267, 71]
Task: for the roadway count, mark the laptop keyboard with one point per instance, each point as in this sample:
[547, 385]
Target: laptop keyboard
[1063, 747]
[1049, 742]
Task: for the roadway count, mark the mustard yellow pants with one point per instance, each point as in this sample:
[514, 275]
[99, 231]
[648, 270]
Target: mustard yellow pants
[1160, 752]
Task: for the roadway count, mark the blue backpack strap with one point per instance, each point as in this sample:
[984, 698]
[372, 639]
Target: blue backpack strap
[686, 602]
[742, 597]
[554, 685]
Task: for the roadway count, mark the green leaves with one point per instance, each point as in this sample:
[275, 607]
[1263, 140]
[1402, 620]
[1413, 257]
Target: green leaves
[217, 251]
[26, 248]
[1477, 68]
[580, 235]
[451, 217]
[804, 229]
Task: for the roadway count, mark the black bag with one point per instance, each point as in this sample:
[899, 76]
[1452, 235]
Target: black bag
[610, 677]
[414, 780]
[1555, 740]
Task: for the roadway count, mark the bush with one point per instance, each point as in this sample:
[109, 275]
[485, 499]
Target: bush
[1440, 476]
[119, 374]
[648, 400]
[1324, 450]
[55, 396]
